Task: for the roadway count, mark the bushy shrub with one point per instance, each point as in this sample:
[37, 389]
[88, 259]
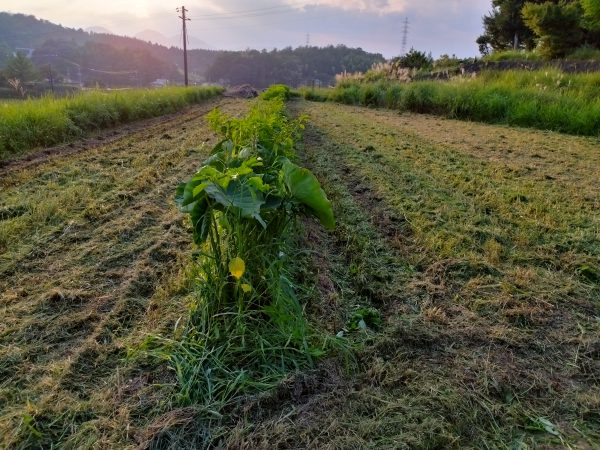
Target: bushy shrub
[277, 91]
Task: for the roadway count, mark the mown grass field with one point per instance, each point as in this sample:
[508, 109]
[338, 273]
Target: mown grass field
[479, 245]
[93, 254]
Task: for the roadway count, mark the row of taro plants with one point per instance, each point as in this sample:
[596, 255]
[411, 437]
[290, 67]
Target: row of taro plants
[246, 328]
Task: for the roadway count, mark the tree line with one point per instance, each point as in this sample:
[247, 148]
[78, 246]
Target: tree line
[554, 28]
[99, 59]
[294, 67]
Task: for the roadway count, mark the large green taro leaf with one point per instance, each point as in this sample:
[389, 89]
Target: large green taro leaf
[241, 196]
[305, 188]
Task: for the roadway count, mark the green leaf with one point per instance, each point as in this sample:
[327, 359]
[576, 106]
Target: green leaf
[305, 188]
[179, 193]
[542, 424]
[201, 216]
[240, 196]
[223, 146]
[198, 189]
[257, 183]
[184, 195]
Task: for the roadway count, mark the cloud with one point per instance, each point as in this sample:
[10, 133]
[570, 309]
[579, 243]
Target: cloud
[378, 6]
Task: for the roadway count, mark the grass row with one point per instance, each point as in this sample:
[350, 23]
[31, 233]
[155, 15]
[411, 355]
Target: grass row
[585, 53]
[548, 100]
[49, 121]
[502, 243]
[246, 328]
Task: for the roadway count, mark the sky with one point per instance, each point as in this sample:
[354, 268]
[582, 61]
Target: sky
[436, 26]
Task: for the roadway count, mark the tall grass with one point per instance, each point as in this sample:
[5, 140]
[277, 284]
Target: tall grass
[513, 55]
[545, 99]
[49, 121]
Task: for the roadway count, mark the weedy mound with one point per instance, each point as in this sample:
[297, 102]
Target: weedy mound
[246, 328]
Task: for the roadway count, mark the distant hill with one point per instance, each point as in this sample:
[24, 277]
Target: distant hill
[95, 56]
[23, 31]
[154, 37]
[98, 30]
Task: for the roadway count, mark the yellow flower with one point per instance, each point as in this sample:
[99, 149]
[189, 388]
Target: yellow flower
[246, 288]
[237, 267]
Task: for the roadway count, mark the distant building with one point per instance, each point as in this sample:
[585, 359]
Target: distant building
[160, 82]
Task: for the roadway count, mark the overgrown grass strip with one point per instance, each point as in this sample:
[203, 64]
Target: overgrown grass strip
[547, 100]
[246, 329]
[49, 121]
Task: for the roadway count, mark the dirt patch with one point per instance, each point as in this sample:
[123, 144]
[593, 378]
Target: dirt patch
[243, 91]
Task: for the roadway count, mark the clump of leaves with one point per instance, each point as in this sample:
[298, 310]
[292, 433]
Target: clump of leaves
[364, 318]
[280, 91]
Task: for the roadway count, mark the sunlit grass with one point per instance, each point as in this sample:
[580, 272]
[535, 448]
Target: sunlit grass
[545, 99]
[48, 121]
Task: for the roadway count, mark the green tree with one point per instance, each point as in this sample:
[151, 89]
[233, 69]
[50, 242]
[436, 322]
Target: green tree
[415, 59]
[21, 68]
[591, 14]
[505, 29]
[558, 26]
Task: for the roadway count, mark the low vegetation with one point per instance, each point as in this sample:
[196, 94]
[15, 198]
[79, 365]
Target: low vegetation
[548, 100]
[246, 328]
[48, 121]
[461, 279]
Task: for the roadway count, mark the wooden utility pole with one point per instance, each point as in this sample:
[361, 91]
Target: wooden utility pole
[182, 10]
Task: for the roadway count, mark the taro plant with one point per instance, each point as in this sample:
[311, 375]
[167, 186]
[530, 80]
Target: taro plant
[246, 328]
[244, 199]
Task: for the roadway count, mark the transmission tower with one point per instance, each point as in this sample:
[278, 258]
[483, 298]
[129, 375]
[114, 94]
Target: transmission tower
[404, 35]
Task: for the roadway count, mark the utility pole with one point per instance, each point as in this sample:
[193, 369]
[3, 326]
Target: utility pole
[182, 10]
[404, 36]
[307, 39]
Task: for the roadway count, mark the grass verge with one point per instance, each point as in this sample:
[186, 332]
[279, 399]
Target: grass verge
[547, 100]
[49, 121]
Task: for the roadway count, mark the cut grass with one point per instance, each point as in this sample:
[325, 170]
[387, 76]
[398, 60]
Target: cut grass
[48, 121]
[94, 257]
[491, 338]
[478, 244]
